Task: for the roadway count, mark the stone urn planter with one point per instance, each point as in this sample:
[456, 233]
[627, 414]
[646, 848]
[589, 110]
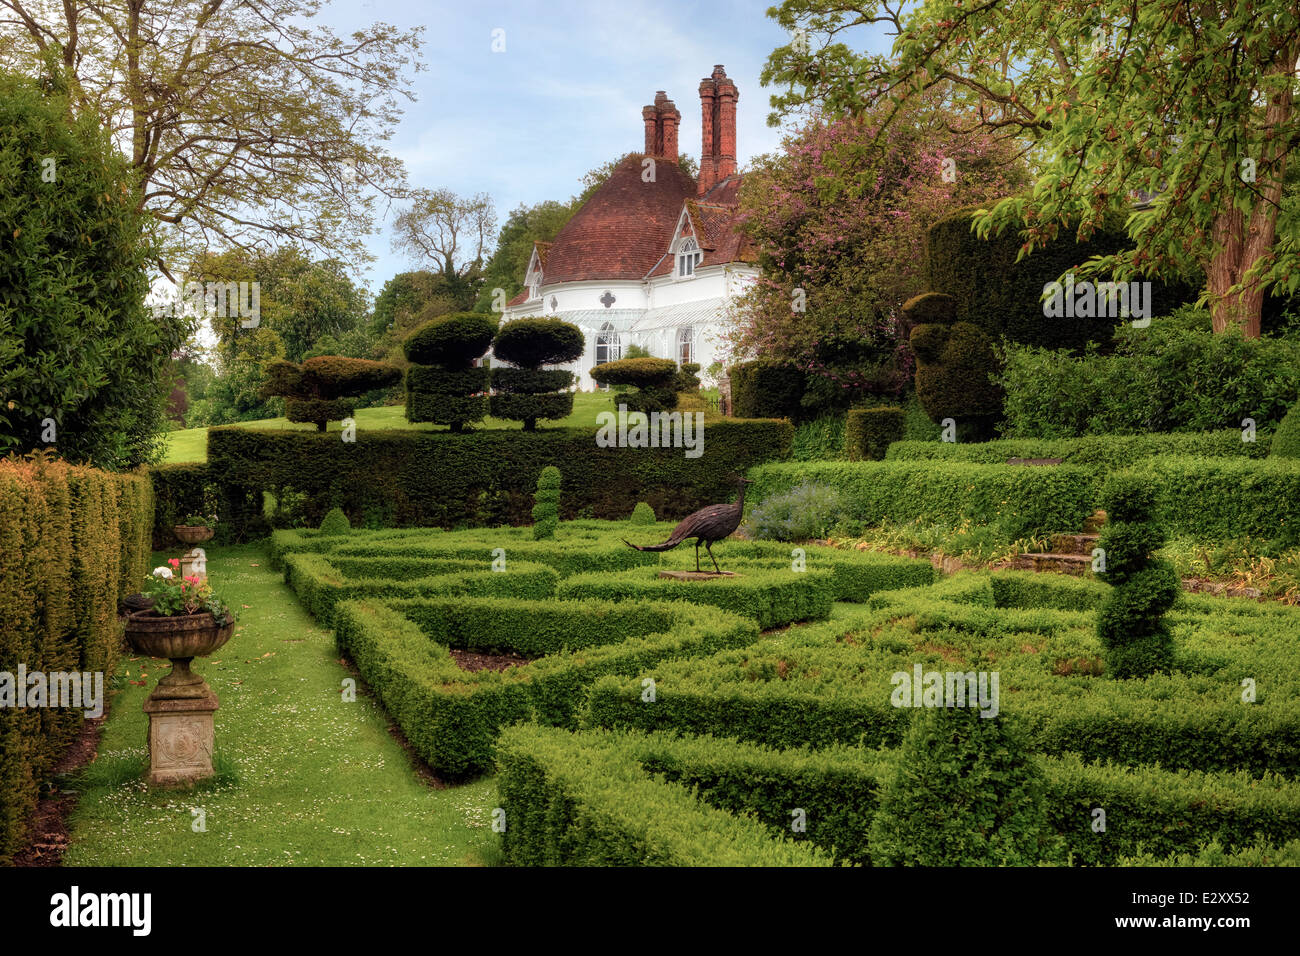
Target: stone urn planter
[181, 708]
[192, 533]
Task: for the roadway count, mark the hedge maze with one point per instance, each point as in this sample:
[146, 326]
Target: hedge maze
[752, 720]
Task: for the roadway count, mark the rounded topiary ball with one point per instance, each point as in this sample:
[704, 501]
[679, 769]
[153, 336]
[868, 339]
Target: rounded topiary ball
[335, 522]
[451, 341]
[642, 514]
[1286, 440]
[532, 343]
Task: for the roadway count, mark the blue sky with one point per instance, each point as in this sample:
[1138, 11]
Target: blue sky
[524, 125]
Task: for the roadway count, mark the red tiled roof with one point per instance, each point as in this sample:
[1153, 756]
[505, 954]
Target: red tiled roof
[624, 228]
[520, 299]
[715, 229]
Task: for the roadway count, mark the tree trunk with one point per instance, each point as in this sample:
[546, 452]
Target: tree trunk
[1243, 242]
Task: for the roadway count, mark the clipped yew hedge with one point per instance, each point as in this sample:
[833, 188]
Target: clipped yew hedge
[73, 541]
[403, 478]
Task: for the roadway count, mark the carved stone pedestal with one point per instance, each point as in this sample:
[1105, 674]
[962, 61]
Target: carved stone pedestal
[194, 563]
[182, 732]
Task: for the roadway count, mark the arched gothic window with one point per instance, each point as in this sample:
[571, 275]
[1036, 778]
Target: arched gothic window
[688, 257]
[609, 345]
[685, 345]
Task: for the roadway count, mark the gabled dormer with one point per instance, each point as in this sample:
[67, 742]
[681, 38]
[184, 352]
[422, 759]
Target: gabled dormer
[689, 242]
[533, 277]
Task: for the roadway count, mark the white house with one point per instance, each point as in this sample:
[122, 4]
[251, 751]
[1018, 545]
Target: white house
[653, 257]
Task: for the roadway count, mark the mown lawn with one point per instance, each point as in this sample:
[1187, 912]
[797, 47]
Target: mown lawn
[306, 778]
[191, 444]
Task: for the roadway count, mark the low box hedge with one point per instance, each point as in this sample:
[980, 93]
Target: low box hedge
[452, 717]
[322, 581]
[582, 800]
[772, 598]
[1021, 501]
[1101, 451]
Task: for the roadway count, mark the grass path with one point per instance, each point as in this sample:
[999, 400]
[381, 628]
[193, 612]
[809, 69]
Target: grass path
[306, 778]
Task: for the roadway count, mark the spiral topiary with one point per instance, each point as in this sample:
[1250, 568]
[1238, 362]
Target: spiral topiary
[546, 507]
[1130, 624]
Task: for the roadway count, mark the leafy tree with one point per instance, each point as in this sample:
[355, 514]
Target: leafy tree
[245, 123]
[840, 218]
[84, 367]
[1188, 105]
[299, 299]
[409, 294]
[449, 232]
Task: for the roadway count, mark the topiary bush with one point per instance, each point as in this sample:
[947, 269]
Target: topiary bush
[764, 390]
[325, 388]
[335, 522]
[444, 386]
[642, 514]
[1130, 622]
[688, 377]
[654, 380]
[953, 365]
[527, 392]
[1286, 440]
[868, 432]
[963, 792]
[546, 509]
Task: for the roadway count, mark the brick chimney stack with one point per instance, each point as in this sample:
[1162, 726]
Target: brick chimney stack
[661, 122]
[718, 96]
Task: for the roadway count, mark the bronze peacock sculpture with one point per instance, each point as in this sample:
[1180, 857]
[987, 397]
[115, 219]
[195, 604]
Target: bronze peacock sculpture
[711, 523]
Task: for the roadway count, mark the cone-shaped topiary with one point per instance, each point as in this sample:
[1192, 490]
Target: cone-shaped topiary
[527, 392]
[1130, 623]
[324, 389]
[444, 386]
[335, 522]
[654, 379]
[1286, 440]
[546, 507]
[642, 514]
[964, 792]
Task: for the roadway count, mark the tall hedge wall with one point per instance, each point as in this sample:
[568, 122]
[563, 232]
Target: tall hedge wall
[402, 478]
[72, 542]
[1003, 296]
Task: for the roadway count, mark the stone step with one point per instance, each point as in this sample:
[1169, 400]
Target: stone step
[1074, 543]
[1093, 524]
[1059, 563]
